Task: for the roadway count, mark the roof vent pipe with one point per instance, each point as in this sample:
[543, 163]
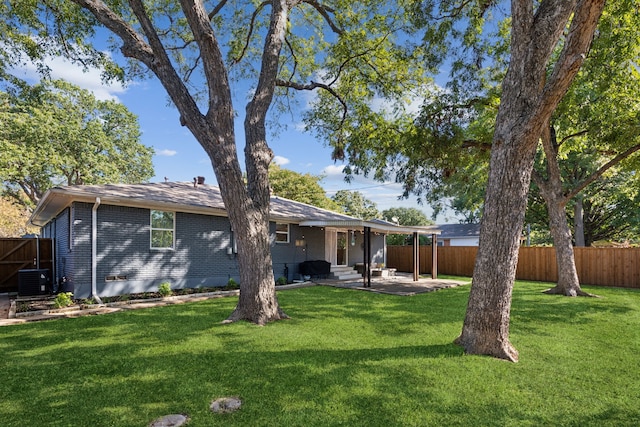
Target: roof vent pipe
[94, 251]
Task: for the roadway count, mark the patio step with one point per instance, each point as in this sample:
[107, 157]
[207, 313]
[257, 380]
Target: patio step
[343, 272]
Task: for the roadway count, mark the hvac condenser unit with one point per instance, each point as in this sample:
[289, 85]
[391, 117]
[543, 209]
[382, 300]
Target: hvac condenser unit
[33, 282]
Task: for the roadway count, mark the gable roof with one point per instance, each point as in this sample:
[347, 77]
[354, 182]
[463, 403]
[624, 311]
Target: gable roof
[460, 231]
[173, 196]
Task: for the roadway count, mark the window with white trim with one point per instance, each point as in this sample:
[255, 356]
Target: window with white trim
[163, 230]
[282, 233]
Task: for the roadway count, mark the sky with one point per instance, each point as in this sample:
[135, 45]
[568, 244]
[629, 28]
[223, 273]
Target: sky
[179, 157]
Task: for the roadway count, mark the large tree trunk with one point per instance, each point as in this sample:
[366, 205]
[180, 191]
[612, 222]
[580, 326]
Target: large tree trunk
[556, 200]
[247, 208]
[258, 302]
[529, 97]
[568, 282]
[486, 325]
[552, 191]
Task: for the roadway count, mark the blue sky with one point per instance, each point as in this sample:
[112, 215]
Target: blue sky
[179, 157]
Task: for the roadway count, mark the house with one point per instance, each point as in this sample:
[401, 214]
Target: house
[459, 234]
[126, 238]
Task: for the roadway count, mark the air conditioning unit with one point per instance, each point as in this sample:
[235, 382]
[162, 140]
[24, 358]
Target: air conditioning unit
[33, 282]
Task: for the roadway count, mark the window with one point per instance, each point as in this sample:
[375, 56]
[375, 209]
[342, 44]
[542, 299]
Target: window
[162, 230]
[282, 233]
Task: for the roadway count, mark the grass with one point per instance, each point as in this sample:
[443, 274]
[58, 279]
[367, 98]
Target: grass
[345, 358]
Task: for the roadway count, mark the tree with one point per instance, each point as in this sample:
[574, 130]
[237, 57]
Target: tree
[594, 129]
[405, 216]
[55, 133]
[609, 211]
[197, 49]
[14, 218]
[549, 41]
[530, 94]
[355, 204]
[303, 188]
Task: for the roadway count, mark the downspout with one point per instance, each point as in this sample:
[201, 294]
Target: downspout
[37, 252]
[94, 250]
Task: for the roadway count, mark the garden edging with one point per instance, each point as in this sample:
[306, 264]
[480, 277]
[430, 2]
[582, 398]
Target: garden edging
[87, 309]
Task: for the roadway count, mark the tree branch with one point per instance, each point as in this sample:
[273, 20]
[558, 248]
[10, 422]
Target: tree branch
[597, 174]
[315, 85]
[217, 9]
[324, 11]
[471, 143]
[576, 47]
[573, 135]
[134, 45]
[215, 72]
[254, 15]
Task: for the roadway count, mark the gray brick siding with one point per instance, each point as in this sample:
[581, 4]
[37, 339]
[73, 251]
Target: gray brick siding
[200, 256]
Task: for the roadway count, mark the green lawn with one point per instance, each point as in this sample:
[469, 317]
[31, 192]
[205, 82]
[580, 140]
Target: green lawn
[345, 358]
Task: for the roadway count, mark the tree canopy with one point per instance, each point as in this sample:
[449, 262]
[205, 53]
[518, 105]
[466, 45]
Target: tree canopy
[405, 216]
[303, 188]
[55, 133]
[14, 218]
[355, 204]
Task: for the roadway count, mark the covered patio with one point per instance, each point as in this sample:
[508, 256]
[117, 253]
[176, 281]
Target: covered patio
[385, 227]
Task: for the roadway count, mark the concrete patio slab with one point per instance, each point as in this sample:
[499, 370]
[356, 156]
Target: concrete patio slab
[400, 284]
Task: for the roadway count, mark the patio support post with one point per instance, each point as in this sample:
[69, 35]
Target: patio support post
[367, 257]
[416, 257]
[94, 251]
[434, 256]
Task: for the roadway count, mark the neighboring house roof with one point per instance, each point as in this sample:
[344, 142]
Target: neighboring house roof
[459, 231]
[175, 196]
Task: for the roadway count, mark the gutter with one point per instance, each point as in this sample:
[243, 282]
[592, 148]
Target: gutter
[94, 251]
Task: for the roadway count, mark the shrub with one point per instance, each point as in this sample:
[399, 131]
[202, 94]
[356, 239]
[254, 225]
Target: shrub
[231, 284]
[281, 280]
[165, 289]
[63, 299]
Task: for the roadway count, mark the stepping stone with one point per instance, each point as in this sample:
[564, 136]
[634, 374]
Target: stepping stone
[174, 420]
[225, 404]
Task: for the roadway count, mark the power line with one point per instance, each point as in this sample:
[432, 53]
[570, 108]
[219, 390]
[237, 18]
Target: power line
[364, 188]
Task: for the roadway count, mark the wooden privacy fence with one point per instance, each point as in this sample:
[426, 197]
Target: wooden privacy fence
[22, 254]
[596, 266]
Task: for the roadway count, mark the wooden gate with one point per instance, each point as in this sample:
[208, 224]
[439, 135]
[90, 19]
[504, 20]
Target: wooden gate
[21, 254]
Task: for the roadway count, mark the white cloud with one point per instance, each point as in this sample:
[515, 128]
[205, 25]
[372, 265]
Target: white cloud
[281, 161]
[61, 68]
[167, 152]
[333, 171]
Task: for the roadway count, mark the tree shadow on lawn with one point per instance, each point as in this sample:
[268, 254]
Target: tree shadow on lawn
[407, 385]
[433, 308]
[102, 381]
[532, 310]
[129, 368]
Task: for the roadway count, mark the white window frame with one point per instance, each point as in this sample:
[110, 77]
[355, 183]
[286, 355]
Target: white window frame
[287, 233]
[152, 229]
